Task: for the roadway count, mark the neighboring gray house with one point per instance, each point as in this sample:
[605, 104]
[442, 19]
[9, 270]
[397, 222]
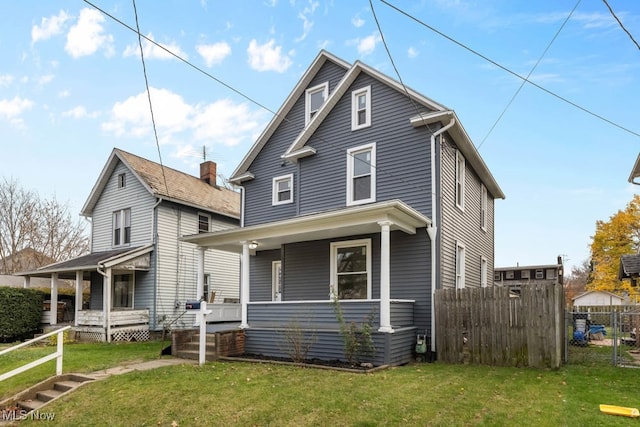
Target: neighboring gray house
[140, 273]
[366, 189]
[523, 275]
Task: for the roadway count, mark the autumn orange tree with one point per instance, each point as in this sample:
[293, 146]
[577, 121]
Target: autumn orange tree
[620, 235]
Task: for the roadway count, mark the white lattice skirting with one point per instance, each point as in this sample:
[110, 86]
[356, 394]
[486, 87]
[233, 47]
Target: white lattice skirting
[130, 335]
[90, 336]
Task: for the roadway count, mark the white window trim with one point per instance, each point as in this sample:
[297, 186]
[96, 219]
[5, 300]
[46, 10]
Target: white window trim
[334, 273]
[460, 266]
[525, 274]
[132, 277]
[198, 222]
[484, 271]
[354, 108]
[324, 87]
[276, 180]
[460, 179]
[350, 161]
[483, 207]
[122, 213]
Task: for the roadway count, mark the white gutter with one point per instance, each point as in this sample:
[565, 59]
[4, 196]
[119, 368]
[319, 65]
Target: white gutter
[432, 230]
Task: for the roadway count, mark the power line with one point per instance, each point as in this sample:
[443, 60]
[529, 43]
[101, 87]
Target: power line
[146, 83]
[621, 24]
[528, 75]
[513, 73]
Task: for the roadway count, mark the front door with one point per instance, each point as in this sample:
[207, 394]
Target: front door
[276, 280]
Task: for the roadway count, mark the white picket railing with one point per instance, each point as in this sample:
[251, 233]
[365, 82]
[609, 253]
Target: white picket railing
[55, 355]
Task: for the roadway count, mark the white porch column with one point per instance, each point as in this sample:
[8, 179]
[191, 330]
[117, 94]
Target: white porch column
[200, 274]
[26, 281]
[385, 278]
[106, 303]
[78, 296]
[54, 299]
[244, 284]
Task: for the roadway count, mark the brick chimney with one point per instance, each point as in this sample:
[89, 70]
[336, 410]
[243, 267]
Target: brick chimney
[208, 172]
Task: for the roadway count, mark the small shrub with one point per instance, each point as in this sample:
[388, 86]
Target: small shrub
[21, 312]
[296, 342]
[357, 340]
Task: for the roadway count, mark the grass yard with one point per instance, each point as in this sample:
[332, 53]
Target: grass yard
[247, 394]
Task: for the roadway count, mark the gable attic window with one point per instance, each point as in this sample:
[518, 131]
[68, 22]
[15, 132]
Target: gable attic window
[361, 174]
[122, 180]
[460, 172]
[314, 98]
[203, 223]
[483, 207]
[361, 108]
[122, 227]
[282, 190]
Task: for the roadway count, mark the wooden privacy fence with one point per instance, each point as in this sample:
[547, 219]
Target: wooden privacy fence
[493, 326]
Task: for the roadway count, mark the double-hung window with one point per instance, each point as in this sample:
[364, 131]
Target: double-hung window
[460, 172]
[460, 255]
[361, 174]
[282, 189]
[361, 108]
[314, 99]
[122, 294]
[483, 207]
[122, 227]
[203, 223]
[351, 269]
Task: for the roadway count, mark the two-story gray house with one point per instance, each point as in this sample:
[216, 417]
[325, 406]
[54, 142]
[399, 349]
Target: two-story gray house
[139, 272]
[364, 189]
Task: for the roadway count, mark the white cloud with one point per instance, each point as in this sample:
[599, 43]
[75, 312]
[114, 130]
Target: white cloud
[225, 122]
[49, 27]
[367, 45]
[64, 94]
[11, 109]
[357, 21]
[43, 80]
[267, 57]
[214, 54]
[307, 24]
[87, 36]
[6, 79]
[412, 52]
[79, 112]
[132, 116]
[153, 51]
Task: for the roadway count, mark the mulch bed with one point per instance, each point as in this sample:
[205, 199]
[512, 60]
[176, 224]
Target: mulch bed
[310, 363]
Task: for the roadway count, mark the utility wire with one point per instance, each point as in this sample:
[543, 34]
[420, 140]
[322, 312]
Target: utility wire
[526, 79]
[621, 24]
[502, 67]
[146, 83]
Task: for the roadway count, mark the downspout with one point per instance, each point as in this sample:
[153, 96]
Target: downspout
[106, 316]
[241, 206]
[432, 230]
[154, 234]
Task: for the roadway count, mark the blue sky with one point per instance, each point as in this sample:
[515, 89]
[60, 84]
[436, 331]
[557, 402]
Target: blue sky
[72, 88]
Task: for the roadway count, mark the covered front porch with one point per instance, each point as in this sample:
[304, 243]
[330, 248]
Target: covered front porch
[293, 269]
[111, 313]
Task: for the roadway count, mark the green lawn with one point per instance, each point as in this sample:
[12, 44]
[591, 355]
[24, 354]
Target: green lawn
[246, 394]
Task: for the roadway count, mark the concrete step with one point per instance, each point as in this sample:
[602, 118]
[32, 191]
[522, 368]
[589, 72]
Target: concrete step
[211, 338]
[47, 395]
[66, 385]
[194, 355]
[47, 391]
[210, 347]
[31, 404]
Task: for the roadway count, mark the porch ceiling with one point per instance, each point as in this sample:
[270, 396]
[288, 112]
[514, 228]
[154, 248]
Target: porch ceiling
[326, 225]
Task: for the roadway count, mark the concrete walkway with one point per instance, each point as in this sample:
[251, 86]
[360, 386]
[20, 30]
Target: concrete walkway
[140, 366]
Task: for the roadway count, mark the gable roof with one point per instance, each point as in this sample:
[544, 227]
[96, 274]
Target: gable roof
[629, 266]
[635, 172]
[435, 113]
[584, 294]
[180, 187]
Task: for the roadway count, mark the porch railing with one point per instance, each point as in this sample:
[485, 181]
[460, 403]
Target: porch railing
[55, 355]
[118, 318]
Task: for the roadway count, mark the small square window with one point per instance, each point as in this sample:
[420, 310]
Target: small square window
[361, 108]
[551, 273]
[509, 274]
[122, 180]
[497, 276]
[525, 274]
[282, 189]
[539, 273]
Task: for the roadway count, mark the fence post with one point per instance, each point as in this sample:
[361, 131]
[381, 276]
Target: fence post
[614, 358]
[59, 352]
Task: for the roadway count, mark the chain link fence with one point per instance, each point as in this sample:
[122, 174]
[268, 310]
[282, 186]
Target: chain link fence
[602, 337]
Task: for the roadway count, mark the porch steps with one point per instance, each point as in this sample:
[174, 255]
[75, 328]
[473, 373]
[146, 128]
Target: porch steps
[44, 392]
[191, 349]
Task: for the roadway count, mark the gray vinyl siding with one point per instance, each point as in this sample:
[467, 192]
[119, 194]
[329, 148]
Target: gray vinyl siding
[260, 275]
[177, 264]
[463, 225]
[268, 164]
[133, 196]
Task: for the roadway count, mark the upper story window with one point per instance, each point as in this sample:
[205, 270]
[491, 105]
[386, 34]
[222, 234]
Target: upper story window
[314, 98]
[203, 223]
[361, 108]
[460, 172]
[122, 227]
[351, 269]
[460, 255]
[282, 189]
[525, 274]
[122, 180]
[361, 174]
[497, 276]
[483, 271]
[483, 207]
